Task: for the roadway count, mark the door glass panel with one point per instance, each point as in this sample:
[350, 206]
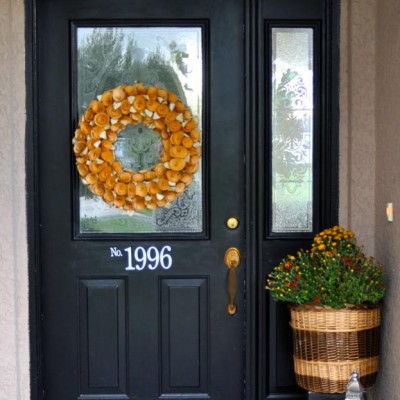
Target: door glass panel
[292, 130]
[170, 58]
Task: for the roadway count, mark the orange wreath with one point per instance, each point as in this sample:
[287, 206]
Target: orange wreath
[159, 110]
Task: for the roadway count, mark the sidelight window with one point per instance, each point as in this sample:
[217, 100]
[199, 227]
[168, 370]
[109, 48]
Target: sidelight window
[292, 129]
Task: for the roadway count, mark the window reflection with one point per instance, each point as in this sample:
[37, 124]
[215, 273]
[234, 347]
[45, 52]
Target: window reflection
[292, 130]
[170, 57]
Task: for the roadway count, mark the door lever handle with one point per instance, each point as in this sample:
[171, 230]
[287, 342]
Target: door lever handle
[232, 261]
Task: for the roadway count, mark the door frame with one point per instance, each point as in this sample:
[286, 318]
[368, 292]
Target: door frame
[31, 166]
[256, 365]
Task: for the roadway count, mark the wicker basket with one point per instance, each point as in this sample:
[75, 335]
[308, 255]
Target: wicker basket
[330, 344]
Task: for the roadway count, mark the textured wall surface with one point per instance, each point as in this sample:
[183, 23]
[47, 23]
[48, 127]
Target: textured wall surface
[388, 187]
[357, 120]
[14, 338]
[369, 174]
[369, 154]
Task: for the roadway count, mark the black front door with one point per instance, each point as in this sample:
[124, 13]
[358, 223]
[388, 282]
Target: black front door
[135, 301]
[155, 236]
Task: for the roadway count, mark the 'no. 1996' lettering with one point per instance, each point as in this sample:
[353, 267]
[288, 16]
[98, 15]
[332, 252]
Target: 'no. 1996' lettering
[139, 258]
[151, 258]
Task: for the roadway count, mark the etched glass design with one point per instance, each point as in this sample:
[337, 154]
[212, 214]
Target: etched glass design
[170, 57]
[292, 130]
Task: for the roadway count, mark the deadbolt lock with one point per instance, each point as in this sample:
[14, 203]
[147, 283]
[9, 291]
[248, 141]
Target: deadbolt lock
[232, 223]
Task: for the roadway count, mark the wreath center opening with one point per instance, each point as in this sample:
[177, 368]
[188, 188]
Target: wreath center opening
[138, 147]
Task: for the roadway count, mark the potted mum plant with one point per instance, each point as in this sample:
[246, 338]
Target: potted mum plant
[335, 294]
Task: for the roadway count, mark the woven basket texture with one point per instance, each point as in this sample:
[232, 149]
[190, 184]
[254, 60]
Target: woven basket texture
[330, 344]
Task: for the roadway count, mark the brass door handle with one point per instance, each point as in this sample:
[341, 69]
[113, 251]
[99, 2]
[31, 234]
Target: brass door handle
[232, 261]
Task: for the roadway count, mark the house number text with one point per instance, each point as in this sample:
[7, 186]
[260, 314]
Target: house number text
[139, 258]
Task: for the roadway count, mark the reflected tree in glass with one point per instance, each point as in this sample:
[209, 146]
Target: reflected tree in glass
[292, 130]
[109, 57]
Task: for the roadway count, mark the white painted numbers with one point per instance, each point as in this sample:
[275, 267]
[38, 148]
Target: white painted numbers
[140, 258]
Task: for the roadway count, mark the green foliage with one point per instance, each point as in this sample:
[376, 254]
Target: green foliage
[291, 145]
[101, 61]
[115, 224]
[109, 57]
[334, 273]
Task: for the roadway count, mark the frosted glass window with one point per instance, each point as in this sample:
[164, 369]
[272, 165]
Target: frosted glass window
[170, 57]
[292, 130]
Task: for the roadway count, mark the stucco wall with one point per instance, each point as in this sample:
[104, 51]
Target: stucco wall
[369, 174]
[14, 338]
[357, 120]
[369, 155]
[387, 187]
